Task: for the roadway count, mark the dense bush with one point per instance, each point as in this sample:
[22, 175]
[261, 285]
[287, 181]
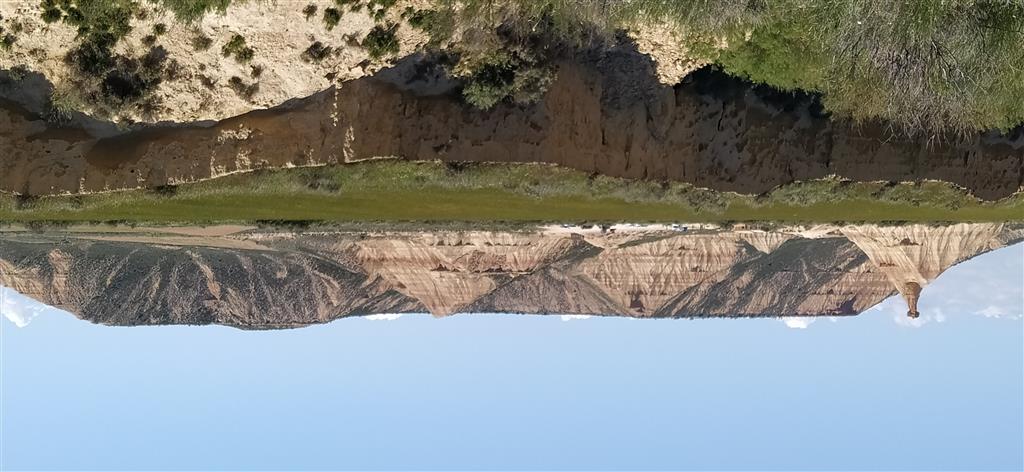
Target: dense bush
[193, 10]
[927, 67]
[489, 84]
[236, 47]
[131, 79]
[108, 79]
[9, 36]
[52, 14]
[316, 52]
[92, 17]
[331, 18]
[62, 105]
[506, 76]
[201, 42]
[246, 91]
[309, 11]
[93, 56]
[7, 40]
[379, 8]
[381, 41]
[438, 25]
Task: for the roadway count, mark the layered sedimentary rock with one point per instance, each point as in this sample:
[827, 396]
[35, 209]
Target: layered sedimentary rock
[290, 280]
[606, 116]
[139, 284]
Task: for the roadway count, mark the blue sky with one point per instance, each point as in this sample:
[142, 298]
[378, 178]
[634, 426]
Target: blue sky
[530, 392]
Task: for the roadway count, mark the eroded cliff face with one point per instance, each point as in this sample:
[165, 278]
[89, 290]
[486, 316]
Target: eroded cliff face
[289, 280]
[642, 276]
[597, 118]
[139, 284]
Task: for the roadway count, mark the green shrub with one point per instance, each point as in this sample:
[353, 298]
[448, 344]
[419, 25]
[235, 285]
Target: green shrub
[309, 11]
[207, 81]
[379, 8]
[241, 89]
[233, 45]
[489, 84]
[90, 17]
[17, 73]
[114, 80]
[159, 29]
[331, 18]
[532, 82]
[190, 11]
[201, 42]
[439, 26]
[381, 41]
[484, 95]
[52, 14]
[93, 56]
[236, 47]
[926, 67]
[130, 79]
[7, 41]
[316, 52]
[63, 103]
[245, 55]
[172, 70]
[505, 76]
[784, 56]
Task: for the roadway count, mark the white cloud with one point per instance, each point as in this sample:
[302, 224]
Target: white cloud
[797, 322]
[19, 318]
[993, 311]
[19, 309]
[899, 315]
[574, 317]
[896, 307]
[384, 317]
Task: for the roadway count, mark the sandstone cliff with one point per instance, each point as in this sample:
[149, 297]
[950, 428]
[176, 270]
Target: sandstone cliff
[711, 132]
[295, 280]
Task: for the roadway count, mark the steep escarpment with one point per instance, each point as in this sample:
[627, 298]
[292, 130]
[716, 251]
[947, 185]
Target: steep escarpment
[130, 284]
[711, 131]
[827, 277]
[288, 280]
[641, 277]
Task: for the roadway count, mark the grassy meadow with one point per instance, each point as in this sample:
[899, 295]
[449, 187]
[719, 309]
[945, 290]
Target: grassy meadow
[434, 192]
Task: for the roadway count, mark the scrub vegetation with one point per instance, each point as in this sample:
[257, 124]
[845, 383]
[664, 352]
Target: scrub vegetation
[108, 79]
[408, 191]
[924, 66]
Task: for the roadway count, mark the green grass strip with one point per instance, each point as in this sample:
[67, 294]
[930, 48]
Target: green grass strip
[407, 191]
